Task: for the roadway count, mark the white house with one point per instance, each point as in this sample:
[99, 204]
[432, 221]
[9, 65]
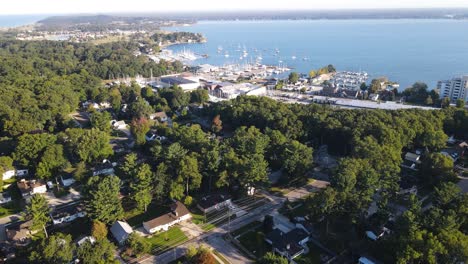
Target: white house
[118, 124]
[90, 239]
[67, 180]
[31, 187]
[214, 202]
[9, 174]
[161, 116]
[178, 214]
[67, 214]
[121, 230]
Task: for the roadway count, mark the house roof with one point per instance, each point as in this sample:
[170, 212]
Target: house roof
[67, 211]
[212, 200]
[412, 157]
[120, 230]
[178, 210]
[26, 186]
[171, 80]
[159, 115]
[287, 241]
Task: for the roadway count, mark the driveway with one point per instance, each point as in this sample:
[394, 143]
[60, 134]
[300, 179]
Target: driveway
[190, 229]
[304, 191]
[71, 197]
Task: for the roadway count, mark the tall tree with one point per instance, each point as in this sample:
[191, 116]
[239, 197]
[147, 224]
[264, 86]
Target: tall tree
[99, 230]
[189, 173]
[102, 251]
[88, 145]
[141, 186]
[102, 199]
[57, 248]
[101, 121]
[52, 161]
[38, 211]
[139, 128]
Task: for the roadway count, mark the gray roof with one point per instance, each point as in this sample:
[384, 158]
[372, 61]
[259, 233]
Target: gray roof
[171, 80]
[121, 230]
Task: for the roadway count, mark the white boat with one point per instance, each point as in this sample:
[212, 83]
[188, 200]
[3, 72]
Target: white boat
[293, 57]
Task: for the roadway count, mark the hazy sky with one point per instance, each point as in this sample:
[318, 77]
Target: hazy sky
[110, 6]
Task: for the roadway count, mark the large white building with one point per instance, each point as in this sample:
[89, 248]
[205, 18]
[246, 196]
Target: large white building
[456, 88]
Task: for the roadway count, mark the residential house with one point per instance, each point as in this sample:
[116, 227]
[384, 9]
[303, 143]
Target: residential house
[118, 124]
[178, 214]
[160, 116]
[8, 174]
[289, 245]
[462, 148]
[30, 187]
[105, 168]
[411, 161]
[67, 214]
[67, 180]
[19, 233]
[121, 230]
[214, 202]
[85, 239]
[5, 198]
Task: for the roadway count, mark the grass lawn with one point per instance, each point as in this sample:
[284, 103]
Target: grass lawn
[312, 257]
[162, 241]
[255, 242]
[136, 218]
[253, 225]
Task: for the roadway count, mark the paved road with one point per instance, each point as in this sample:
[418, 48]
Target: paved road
[214, 237]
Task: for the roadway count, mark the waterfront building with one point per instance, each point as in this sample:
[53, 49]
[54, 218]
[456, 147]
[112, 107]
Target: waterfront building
[454, 89]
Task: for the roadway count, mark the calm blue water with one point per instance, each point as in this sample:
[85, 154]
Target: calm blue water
[403, 50]
[19, 20]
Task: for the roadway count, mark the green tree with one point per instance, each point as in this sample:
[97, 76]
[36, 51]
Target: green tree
[128, 169]
[52, 161]
[445, 102]
[140, 109]
[199, 96]
[38, 211]
[429, 100]
[101, 252]
[189, 173]
[99, 230]
[436, 168]
[141, 186]
[101, 121]
[460, 103]
[88, 145]
[57, 248]
[297, 159]
[102, 199]
[138, 244]
[139, 128]
[446, 193]
[80, 171]
[271, 258]
[30, 148]
[293, 77]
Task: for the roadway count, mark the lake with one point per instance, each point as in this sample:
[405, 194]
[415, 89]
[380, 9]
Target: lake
[19, 20]
[405, 51]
